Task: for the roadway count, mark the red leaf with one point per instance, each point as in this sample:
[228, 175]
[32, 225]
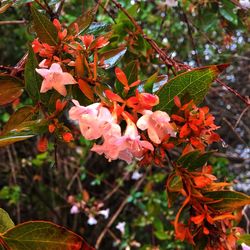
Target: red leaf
[121, 77]
[112, 96]
[185, 130]
[86, 90]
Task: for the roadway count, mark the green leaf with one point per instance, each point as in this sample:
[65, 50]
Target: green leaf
[43, 235]
[131, 71]
[97, 27]
[83, 22]
[23, 131]
[31, 78]
[194, 159]
[112, 57]
[194, 83]
[44, 28]
[23, 114]
[5, 221]
[9, 139]
[228, 11]
[245, 238]
[161, 235]
[174, 183]
[228, 200]
[10, 88]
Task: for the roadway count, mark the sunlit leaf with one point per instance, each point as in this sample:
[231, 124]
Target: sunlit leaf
[43, 235]
[245, 238]
[9, 139]
[10, 88]
[5, 221]
[44, 28]
[194, 83]
[228, 200]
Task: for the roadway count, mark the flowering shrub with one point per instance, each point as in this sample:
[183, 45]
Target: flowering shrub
[69, 71]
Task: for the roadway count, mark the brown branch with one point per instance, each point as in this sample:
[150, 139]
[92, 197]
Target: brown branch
[13, 22]
[116, 214]
[164, 57]
[191, 38]
[241, 115]
[246, 100]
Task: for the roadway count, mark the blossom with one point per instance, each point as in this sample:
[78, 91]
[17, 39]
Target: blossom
[124, 147]
[113, 143]
[157, 125]
[105, 213]
[94, 120]
[171, 3]
[121, 227]
[55, 78]
[74, 209]
[136, 175]
[91, 220]
[134, 147]
[142, 101]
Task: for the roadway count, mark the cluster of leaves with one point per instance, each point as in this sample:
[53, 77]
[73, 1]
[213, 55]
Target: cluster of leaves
[208, 206]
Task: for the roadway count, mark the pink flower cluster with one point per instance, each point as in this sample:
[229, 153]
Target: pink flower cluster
[96, 121]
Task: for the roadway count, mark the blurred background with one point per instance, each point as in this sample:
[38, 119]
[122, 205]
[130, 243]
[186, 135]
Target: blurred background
[112, 204]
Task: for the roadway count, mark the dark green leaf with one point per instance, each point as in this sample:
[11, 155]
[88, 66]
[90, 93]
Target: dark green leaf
[5, 221]
[44, 28]
[10, 88]
[194, 83]
[31, 78]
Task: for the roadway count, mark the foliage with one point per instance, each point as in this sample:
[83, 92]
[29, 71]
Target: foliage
[80, 83]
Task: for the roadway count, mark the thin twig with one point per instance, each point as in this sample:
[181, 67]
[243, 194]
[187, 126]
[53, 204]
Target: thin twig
[190, 33]
[244, 99]
[13, 22]
[240, 117]
[116, 214]
[232, 128]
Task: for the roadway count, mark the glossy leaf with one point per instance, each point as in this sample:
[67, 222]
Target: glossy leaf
[9, 139]
[43, 235]
[44, 28]
[21, 115]
[5, 221]
[10, 88]
[228, 200]
[97, 27]
[86, 89]
[194, 83]
[32, 79]
[83, 22]
[112, 57]
[194, 159]
[228, 12]
[23, 131]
